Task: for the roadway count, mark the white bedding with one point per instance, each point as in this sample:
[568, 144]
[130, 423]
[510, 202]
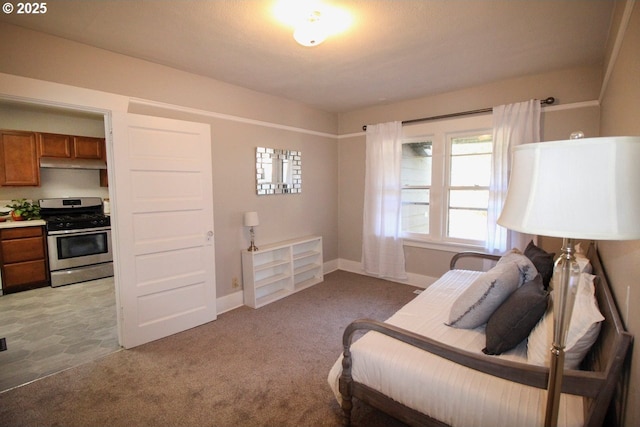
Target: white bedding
[451, 393]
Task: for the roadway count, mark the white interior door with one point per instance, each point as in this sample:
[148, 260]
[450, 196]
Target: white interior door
[162, 220]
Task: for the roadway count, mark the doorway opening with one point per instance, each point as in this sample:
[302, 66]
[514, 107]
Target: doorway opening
[48, 329]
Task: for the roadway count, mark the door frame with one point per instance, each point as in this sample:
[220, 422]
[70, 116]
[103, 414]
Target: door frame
[106, 118]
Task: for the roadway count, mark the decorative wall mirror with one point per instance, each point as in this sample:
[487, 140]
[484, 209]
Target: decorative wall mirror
[278, 171]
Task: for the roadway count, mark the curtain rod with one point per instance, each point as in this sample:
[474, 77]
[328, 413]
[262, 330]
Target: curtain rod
[550, 100]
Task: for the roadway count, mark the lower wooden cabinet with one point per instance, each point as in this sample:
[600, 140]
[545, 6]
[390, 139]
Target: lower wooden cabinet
[23, 258]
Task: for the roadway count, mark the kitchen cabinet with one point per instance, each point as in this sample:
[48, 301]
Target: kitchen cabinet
[54, 145]
[85, 147]
[19, 158]
[104, 177]
[74, 147]
[71, 147]
[281, 269]
[20, 152]
[23, 258]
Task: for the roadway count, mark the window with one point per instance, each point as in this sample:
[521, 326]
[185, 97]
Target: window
[416, 184]
[445, 182]
[468, 189]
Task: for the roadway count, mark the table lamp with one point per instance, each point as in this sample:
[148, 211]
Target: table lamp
[251, 220]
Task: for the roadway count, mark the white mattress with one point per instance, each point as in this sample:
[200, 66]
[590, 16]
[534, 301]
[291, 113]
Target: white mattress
[451, 393]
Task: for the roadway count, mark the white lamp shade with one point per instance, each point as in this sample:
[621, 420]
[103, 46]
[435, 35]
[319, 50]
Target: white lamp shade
[581, 188]
[251, 219]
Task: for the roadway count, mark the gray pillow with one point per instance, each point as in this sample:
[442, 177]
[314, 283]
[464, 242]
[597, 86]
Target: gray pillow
[476, 304]
[528, 270]
[513, 321]
[542, 260]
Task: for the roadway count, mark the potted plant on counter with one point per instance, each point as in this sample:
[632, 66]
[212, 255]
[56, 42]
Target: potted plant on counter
[22, 209]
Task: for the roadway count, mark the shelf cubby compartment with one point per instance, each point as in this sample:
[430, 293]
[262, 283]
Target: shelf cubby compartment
[271, 292]
[307, 263]
[265, 259]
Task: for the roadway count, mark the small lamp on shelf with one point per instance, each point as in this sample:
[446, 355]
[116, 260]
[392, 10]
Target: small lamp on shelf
[251, 220]
[575, 189]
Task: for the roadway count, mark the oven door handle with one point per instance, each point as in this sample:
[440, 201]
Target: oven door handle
[78, 231]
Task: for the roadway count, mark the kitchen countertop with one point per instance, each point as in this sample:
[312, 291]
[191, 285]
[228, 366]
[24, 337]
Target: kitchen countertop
[31, 223]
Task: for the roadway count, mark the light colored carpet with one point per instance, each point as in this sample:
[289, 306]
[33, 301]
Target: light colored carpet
[264, 367]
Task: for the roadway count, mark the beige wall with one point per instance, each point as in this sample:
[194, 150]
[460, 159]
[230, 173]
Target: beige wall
[567, 86]
[240, 120]
[621, 116]
[576, 91]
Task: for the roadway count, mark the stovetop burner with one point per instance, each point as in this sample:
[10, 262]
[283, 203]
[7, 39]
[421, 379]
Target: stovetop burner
[73, 222]
[73, 213]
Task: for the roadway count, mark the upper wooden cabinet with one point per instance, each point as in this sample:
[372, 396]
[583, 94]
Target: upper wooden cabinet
[20, 152]
[72, 147]
[85, 147]
[19, 158]
[54, 145]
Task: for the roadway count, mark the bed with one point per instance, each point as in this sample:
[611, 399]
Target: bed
[419, 369]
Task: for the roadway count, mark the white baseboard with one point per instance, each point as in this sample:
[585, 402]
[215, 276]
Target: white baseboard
[331, 266]
[229, 302]
[236, 299]
[413, 279]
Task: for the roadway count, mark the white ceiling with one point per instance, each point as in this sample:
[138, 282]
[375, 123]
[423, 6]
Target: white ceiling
[395, 49]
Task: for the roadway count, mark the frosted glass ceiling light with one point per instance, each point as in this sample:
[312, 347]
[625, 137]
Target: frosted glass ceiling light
[312, 32]
[312, 20]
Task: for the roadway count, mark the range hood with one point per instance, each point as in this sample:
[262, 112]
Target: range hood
[61, 163]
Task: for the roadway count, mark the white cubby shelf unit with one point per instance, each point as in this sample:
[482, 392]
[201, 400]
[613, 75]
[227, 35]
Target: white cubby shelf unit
[281, 269]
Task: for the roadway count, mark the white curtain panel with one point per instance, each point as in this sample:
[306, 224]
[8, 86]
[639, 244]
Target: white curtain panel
[513, 124]
[382, 251]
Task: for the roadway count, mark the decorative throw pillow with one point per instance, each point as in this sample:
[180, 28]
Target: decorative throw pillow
[542, 260]
[476, 304]
[527, 269]
[584, 328]
[513, 321]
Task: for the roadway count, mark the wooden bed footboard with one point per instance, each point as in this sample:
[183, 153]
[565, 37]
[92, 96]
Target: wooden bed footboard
[596, 383]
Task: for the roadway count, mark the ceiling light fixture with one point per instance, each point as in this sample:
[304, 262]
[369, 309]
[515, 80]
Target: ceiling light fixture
[312, 21]
[311, 32]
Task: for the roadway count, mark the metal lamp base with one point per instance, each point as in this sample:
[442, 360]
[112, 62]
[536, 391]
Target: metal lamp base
[252, 247]
[565, 282]
[554, 387]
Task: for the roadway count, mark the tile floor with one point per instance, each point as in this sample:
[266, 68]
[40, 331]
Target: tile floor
[52, 329]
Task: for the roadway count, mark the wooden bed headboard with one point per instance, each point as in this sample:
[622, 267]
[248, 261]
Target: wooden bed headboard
[612, 335]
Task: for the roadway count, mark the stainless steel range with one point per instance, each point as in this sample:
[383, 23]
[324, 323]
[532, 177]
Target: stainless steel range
[78, 239]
